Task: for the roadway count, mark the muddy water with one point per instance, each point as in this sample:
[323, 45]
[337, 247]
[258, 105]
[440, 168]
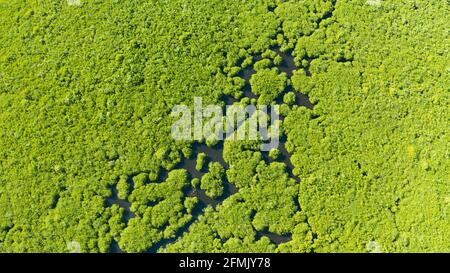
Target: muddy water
[215, 154]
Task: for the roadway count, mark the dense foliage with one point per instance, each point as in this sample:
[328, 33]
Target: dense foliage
[211, 182]
[86, 93]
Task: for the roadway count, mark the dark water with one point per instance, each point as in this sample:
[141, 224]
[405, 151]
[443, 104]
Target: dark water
[246, 74]
[115, 247]
[215, 154]
[274, 238]
[115, 200]
[287, 65]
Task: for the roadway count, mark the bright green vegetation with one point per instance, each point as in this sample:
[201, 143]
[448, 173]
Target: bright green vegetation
[85, 99]
[211, 182]
[123, 188]
[289, 98]
[274, 154]
[201, 157]
[157, 206]
[266, 203]
[268, 84]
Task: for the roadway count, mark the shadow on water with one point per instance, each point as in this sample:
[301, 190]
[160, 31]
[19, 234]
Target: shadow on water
[115, 247]
[115, 200]
[229, 100]
[274, 238]
[287, 65]
[215, 154]
[248, 91]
